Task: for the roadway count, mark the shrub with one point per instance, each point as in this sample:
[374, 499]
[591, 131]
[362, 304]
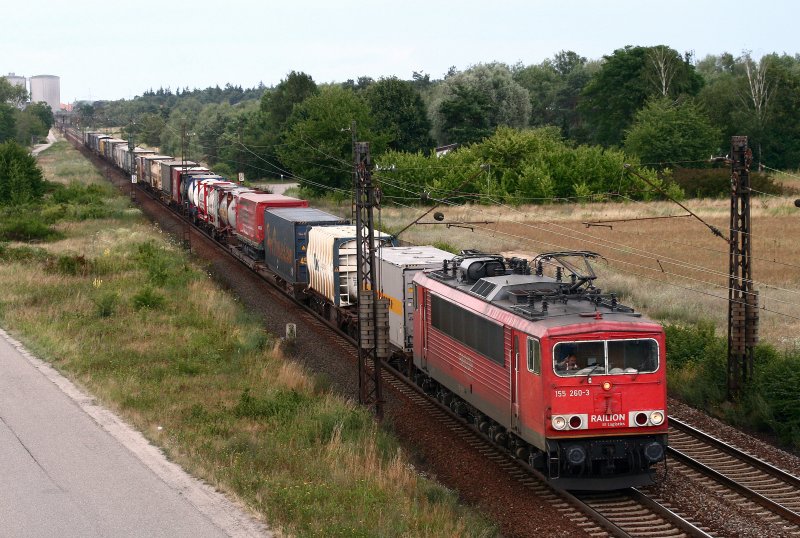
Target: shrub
[70, 264]
[28, 226]
[148, 298]
[21, 178]
[21, 254]
[106, 304]
[697, 364]
[716, 182]
[777, 379]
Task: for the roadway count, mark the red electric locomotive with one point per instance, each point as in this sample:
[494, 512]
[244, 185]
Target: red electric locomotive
[547, 366]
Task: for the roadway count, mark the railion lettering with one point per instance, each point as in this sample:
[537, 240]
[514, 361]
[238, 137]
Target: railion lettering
[607, 418]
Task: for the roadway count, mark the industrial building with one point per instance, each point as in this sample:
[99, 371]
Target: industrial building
[17, 80]
[46, 88]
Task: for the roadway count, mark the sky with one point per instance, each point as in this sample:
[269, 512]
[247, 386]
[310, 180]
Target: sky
[113, 49]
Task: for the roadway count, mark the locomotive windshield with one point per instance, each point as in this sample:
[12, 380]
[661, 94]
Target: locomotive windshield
[599, 357]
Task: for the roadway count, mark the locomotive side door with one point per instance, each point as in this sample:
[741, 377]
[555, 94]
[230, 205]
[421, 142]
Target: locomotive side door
[531, 385]
[518, 357]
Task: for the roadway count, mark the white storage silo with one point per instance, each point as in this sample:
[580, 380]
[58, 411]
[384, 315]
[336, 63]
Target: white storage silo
[16, 80]
[46, 88]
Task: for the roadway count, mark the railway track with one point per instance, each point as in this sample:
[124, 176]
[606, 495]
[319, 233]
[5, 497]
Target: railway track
[749, 482]
[623, 513]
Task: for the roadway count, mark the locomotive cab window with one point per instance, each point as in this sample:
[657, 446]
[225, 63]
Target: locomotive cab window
[631, 356]
[534, 356]
[605, 357]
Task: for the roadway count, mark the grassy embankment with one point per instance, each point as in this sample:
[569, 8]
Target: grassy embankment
[115, 305]
[676, 271]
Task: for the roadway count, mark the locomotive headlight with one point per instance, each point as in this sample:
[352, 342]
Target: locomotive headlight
[559, 423]
[656, 418]
[607, 385]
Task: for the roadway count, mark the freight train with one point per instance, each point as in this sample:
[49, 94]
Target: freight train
[547, 366]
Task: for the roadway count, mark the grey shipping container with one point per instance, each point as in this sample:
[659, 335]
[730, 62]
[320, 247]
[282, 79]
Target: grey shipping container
[166, 173]
[286, 239]
[397, 267]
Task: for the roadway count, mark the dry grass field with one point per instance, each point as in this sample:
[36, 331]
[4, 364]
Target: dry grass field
[674, 269]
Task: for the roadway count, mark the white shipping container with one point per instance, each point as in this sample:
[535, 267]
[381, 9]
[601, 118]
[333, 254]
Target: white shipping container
[332, 263]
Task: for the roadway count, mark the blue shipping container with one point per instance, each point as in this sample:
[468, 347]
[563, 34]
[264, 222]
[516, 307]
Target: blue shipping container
[286, 239]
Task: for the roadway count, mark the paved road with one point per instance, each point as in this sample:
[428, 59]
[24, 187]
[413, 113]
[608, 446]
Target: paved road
[51, 139]
[70, 468]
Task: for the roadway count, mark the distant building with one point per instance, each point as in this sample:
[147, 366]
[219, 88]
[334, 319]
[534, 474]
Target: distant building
[46, 88]
[16, 80]
[441, 151]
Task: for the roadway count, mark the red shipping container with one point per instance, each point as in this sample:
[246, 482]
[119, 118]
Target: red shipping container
[250, 214]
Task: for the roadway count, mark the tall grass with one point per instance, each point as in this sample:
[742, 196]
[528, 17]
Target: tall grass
[130, 317]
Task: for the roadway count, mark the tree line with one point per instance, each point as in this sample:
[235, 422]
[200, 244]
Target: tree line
[565, 125]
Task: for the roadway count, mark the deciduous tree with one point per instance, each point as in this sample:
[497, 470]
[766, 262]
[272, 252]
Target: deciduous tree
[21, 178]
[316, 144]
[472, 104]
[625, 81]
[398, 110]
[668, 132]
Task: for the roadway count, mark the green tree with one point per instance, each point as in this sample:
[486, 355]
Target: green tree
[21, 178]
[29, 127]
[399, 111]
[625, 81]
[8, 122]
[11, 93]
[209, 131]
[667, 132]
[470, 105]
[148, 129]
[277, 105]
[181, 120]
[42, 111]
[758, 99]
[554, 87]
[316, 142]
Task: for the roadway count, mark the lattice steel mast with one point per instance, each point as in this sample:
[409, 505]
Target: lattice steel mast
[372, 310]
[742, 298]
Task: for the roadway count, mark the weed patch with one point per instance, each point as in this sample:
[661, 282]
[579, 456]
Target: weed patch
[24, 253]
[148, 298]
[70, 264]
[281, 404]
[27, 227]
[106, 304]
